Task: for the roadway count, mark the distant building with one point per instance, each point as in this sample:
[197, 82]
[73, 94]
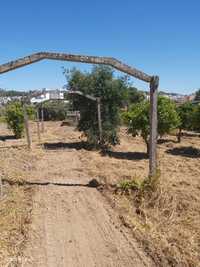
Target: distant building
[6, 99]
[48, 94]
[177, 98]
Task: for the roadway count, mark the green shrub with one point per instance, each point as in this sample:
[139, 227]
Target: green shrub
[186, 113]
[55, 110]
[31, 112]
[196, 118]
[126, 185]
[15, 118]
[100, 82]
[147, 185]
[138, 121]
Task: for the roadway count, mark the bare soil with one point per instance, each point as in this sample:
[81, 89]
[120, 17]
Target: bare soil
[72, 224]
[75, 225]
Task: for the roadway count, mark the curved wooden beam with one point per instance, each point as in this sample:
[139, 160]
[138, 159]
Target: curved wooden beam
[75, 58]
[82, 94]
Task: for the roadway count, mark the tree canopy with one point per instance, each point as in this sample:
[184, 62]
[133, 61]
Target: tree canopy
[138, 118]
[197, 95]
[196, 118]
[14, 116]
[186, 113]
[100, 82]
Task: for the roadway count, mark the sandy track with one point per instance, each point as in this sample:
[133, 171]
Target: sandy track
[73, 225]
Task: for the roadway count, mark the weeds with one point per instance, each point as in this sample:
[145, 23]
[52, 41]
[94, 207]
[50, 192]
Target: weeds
[149, 184]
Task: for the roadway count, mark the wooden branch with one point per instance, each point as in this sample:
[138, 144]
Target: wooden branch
[82, 94]
[75, 58]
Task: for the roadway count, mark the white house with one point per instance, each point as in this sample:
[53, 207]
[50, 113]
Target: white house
[48, 94]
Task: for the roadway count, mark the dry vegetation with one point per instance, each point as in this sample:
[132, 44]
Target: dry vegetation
[166, 222]
[15, 211]
[16, 204]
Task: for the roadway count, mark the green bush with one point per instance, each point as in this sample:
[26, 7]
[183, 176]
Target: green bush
[100, 82]
[137, 118]
[196, 118]
[55, 110]
[15, 118]
[186, 113]
[148, 184]
[31, 112]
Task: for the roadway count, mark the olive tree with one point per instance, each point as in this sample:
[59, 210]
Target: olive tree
[197, 95]
[138, 117]
[100, 82]
[196, 118]
[14, 116]
[186, 113]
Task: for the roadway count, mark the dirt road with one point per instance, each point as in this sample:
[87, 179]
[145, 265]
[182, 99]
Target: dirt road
[73, 225]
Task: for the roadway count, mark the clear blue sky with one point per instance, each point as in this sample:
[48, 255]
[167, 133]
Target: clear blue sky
[158, 37]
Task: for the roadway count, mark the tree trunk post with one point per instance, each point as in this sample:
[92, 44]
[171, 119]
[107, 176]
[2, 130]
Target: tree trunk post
[38, 127]
[179, 135]
[1, 187]
[27, 130]
[99, 118]
[153, 126]
[42, 118]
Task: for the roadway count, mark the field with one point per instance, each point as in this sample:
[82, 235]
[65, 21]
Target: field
[163, 228]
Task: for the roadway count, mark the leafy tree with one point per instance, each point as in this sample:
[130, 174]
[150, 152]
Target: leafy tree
[31, 112]
[14, 116]
[100, 82]
[133, 95]
[197, 95]
[186, 113]
[55, 110]
[196, 118]
[137, 118]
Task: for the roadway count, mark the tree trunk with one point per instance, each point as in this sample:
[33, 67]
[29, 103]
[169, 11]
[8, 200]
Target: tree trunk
[147, 144]
[1, 187]
[27, 130]
[179, 135]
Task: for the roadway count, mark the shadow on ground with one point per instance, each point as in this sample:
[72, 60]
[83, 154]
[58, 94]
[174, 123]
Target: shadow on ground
[163, 141]
[7, 137]
[74, 145]
[92, 183]
[126, 155]
[190, 152]
[191, 134]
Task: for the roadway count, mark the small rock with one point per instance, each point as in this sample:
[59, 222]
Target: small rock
[93, 183]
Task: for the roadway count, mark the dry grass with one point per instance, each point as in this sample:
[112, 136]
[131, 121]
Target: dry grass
[15, 211]
[15, 206]
[166, 223]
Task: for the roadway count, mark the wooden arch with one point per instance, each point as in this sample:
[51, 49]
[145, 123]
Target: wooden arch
[152, 80]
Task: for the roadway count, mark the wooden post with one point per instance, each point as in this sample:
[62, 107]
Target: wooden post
[26, 123]
[38, 127]
[42, 118]
[99, 118]
[1, 187]
[153, 126]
